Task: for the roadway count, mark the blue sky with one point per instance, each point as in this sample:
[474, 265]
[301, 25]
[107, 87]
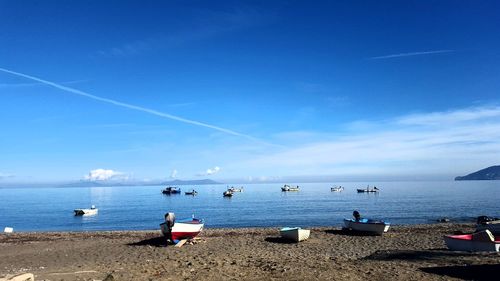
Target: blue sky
[247, 90]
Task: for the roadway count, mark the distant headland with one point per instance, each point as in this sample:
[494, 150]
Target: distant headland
[190, 182]
[490, 173]
[111, 183]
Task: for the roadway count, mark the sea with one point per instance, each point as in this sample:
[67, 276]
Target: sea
[259, 205]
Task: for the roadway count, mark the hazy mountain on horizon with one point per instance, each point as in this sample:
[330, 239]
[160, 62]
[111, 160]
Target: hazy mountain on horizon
[490, 173]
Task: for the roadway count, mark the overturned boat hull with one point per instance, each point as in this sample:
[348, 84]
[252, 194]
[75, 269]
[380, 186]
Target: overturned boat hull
[367, 226]
[296, 234]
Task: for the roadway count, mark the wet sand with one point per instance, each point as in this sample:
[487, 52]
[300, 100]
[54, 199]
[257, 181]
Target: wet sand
[413, 252]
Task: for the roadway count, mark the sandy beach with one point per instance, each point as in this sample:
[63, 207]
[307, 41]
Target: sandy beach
[414, 252]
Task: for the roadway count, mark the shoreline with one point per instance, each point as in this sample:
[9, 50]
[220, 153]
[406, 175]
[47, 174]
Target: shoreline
[406, 252]
[337, 225]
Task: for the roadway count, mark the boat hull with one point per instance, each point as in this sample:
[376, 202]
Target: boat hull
[85, 212]
[295, 234]
[367, 226]
[366, 190]
[183, 229]
[468, 244]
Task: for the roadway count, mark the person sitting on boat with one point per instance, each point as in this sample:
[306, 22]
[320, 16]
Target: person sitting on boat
[170, 220]
[356, 215]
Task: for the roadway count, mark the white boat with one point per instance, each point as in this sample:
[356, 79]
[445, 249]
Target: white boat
[482, 241]
[227, 193]
[183, 229]
[368, 189]
[491, 224]
[234, 189]
[286, 187]
[366, 225]
[86, 212]
[296, 234]
[337, 188]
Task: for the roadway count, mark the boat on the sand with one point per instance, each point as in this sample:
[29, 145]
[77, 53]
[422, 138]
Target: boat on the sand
[483, 241]
[182, 229]
[296, 234]
[492, 224]
[369, 226]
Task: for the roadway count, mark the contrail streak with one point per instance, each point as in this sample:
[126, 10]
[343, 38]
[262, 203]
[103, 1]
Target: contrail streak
[411, 54]
[130, 106]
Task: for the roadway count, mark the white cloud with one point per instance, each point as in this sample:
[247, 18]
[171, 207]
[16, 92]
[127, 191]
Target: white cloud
[210, 171]
[103, 175]
[449, 142]
[173, 175]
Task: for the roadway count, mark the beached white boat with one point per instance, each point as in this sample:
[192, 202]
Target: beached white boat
[491, 224]
[287, 187]
[296, 234]
[482, 241]
[366, 225]
[183, 229]
[86, 212]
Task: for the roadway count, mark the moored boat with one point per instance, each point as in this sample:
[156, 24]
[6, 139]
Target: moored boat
[368, 189]
[192, 192]
[182, 229]
[227, 193]
[337, 188]
[482, 241]
[287, 187]
[377, 227]
[86, 212]
[171, 190]
[234, 189]
[296, 234]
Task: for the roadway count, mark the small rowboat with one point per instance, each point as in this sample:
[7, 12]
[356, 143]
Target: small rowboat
[376, 227]
[192, 192]
[86, 212]
[337, 188]
[183, 229]
[482, 241]
[296, 234]
[234, 189]
[286, 187]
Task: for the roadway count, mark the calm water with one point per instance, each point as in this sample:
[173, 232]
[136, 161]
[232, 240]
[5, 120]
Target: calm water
[137, 208]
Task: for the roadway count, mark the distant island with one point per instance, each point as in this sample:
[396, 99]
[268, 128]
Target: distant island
[490, 173]
[83, 183]
[190, 182]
